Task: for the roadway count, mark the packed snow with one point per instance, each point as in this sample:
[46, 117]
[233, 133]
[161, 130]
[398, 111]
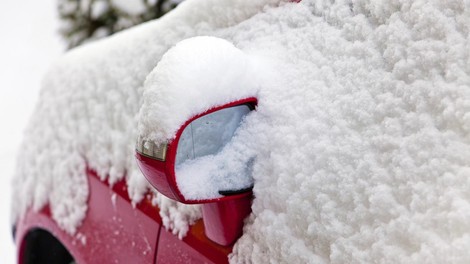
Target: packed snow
[360, 139]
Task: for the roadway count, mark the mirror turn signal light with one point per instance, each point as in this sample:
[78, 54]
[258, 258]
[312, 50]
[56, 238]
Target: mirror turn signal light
[150, 149]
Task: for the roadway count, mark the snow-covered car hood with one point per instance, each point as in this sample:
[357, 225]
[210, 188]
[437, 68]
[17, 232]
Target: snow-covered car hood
[361, 134]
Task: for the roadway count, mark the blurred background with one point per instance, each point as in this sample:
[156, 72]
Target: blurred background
[29, 43]
[33, 34]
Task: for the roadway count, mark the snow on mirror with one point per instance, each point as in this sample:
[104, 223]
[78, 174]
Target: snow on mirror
[209, 162]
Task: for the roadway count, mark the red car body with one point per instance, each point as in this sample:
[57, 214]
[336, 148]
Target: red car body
[116, 232]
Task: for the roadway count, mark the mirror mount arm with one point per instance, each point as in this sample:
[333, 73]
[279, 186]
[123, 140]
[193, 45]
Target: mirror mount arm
[223, 220]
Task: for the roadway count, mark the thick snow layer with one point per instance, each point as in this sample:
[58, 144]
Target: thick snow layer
[361, 135]
[362, 142]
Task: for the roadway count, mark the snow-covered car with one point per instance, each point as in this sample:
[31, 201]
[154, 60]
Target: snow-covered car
[256, 132]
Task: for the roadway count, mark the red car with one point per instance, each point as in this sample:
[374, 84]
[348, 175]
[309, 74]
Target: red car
[342, 126]
[113, 227]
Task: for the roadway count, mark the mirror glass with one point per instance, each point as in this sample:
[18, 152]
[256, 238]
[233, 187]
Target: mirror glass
[209, 161]
[208, 134]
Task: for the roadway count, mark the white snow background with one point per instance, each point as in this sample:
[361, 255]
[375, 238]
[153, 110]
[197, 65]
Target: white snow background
[29, 42]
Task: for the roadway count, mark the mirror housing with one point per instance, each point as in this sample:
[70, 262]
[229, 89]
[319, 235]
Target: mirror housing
[157, 163]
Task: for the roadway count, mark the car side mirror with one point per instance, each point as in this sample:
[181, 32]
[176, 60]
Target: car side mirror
[185, 169]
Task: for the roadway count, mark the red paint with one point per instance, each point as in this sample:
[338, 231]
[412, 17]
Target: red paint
[116, 232]
[195, 248]
[112, 232]
[223, 221]
[156, 172]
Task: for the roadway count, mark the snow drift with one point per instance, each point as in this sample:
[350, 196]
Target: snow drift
[361, 134]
